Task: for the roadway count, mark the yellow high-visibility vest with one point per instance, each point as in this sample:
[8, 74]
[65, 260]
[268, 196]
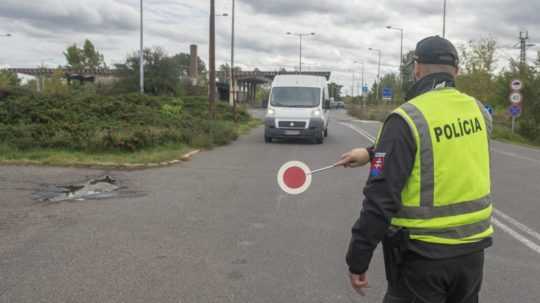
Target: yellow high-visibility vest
[446, 199]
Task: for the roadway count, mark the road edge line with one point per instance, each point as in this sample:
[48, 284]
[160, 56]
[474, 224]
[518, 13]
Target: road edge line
[516, 235]
[524, 228]
[362, 132]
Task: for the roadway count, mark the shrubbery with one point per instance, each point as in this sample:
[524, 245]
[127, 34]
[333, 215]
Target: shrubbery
[89, 122]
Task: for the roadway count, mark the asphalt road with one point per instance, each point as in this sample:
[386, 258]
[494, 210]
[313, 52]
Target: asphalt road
[218, 229]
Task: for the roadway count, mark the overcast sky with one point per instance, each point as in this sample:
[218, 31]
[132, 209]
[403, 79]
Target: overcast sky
[345, 29]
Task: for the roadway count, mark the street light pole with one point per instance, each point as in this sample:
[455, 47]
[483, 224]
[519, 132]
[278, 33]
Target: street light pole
[401, 30]
[444, 20]
[212, 61]
[141, 54]
[363, 76]
[232, 85]
[300, 36]
[379, 52]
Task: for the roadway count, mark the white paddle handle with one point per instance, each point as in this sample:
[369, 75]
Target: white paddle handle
[322, 169]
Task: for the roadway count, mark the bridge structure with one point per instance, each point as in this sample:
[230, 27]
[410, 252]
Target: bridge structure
[246, 82]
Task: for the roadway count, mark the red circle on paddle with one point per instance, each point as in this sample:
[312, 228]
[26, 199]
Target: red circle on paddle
[294, 177]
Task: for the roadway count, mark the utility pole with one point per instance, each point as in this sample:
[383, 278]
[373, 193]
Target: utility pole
[401, 30]
[300, 36]
[379, 52]
[212, 61]
[352, 84]
[232, 86]
[444, 20]
[523, 37]
[141, 55]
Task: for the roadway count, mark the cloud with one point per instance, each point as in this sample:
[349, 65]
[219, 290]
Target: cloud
[344, 29]
[97, 16]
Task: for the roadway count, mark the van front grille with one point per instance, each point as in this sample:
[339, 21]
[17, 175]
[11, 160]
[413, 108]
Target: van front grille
[292, 124]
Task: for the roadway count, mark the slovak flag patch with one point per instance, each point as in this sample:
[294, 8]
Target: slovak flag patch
[377, 165]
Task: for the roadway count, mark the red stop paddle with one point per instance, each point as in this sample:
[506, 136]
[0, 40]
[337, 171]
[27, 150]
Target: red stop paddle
[294, 177]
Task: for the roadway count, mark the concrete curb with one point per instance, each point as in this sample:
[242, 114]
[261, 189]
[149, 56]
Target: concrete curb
[128, 166]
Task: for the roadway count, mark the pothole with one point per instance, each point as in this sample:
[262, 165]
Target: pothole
[104, 187]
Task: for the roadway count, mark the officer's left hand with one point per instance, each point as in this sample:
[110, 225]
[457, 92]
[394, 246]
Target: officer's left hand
[359, 282]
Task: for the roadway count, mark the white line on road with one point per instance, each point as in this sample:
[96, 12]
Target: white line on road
[516, 235]
[514, 155]
[359, 131]
[524, 228]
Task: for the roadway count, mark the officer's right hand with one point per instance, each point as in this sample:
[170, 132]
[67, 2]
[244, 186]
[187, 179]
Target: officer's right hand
[355, 158]
[359, 282]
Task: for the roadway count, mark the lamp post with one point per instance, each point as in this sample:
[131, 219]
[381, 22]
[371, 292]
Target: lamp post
[379, 52]
[232, 86]
[444, 20]
[401, 47]
[300, 36]
[363, 76]
[212, 61]
[141, 54]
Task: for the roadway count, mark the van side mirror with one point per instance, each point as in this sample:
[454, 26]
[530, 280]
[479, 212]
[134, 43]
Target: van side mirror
[326, 104]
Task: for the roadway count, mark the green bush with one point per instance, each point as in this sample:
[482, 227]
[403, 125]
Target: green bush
[88, 122]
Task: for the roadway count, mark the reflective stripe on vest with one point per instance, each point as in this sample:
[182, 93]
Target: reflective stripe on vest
[438, 207]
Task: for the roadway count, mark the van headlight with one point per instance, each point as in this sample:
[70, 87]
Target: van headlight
[270, 112]
[316, 113]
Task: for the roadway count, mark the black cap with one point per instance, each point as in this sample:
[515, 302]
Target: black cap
[436, 50]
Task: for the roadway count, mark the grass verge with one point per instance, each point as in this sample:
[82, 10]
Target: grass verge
[504, 134]
[118, 159]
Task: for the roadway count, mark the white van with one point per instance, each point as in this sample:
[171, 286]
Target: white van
[298, 107]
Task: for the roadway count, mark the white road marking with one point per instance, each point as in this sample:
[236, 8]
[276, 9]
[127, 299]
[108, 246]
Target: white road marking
[359, 131]
[524, 228]
[516, 235]
[514, 155]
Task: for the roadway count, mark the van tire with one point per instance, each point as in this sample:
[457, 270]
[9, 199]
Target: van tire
[267, 139]
[320, 139]
[326, 132]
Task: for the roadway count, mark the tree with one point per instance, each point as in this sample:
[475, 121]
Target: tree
[479, 56]
[8, 79]
[56, 84]
[163, 74]
[477, 69]
[183, 62]
[84, 58]
[92, 58]
[335, 90]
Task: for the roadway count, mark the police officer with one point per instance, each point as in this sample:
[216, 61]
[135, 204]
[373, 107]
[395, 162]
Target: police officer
[427, 197]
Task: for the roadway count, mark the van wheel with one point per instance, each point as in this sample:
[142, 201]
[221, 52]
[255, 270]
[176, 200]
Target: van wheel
[326, 132]
[267, 139]
[320, 139]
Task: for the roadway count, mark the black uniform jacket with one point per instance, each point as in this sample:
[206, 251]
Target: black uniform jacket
[392, 163]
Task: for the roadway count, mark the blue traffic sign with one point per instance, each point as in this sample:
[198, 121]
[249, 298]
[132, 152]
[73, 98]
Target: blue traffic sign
[489, 109]
[387, 93]
[365, 89]
[515, 110]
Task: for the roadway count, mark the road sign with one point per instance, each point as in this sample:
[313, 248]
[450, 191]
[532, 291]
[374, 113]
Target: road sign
[516, 84]
[489, 109]
[294, 177]
[514, 110]
[516, 97]
[365, 89]
[387, 94]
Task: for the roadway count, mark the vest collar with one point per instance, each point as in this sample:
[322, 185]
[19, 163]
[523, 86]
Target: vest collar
[429, 83]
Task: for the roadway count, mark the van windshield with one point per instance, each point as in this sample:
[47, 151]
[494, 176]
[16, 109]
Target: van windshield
[295, 96]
